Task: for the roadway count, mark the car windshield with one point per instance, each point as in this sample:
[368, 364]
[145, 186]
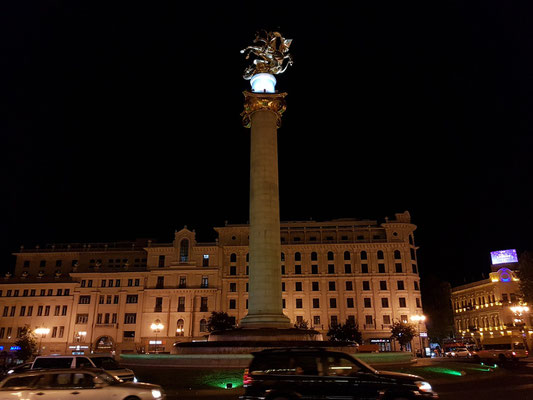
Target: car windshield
[107, 363]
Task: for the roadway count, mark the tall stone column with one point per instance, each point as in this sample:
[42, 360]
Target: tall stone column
[262, 113]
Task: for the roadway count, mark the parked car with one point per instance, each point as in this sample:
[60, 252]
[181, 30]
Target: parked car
[17, 369]
[83, 383]
[458, 352]
[282, 374]
[104, 361]
[501, 349]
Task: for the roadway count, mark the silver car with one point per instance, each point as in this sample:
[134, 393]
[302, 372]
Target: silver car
[79, 384]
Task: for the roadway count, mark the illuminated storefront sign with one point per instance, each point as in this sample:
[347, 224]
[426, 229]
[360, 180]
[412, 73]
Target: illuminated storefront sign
[504, 257]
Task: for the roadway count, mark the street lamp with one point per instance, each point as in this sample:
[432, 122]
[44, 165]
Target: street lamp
[156, 327]
[419, 319]
[518, 312]
[43, 332]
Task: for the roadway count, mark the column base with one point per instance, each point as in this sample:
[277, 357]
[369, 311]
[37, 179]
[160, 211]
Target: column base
[265, 321]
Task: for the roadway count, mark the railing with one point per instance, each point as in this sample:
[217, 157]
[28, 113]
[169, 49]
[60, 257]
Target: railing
[105, 325]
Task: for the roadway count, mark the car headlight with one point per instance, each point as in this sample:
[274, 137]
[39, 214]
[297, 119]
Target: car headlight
[10, 371]
[424, 386]
[156, 393]
[135, 379]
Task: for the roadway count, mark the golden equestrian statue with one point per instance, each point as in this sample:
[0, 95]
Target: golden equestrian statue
[272, 52]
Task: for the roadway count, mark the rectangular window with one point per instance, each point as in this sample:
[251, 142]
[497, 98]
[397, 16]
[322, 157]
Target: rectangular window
[161, 262]
[90, 283]
[398, 268]
[39, 311]
[115, 299]
[181, 304]
[110, 283]
[42, 293]
[64, 310]
[350, 302]
[99, 318]
[130, 282]
[16, 293]
[232, 304]
[282, 286]
[283, 302]
[403, 318]
[12, 312]
[130, 318]
[414, 269]
[32, 292]
[315, 286]
[382, 285]
[67, 292]
[30, 311]
[22, 311]
[82, 318]
[57, 311]
[283, 270]
[9, 292]
[366, 285]
[381, 268]
[403, 302]
[385, 302]
[316, 303]
[418, 304]
[364, 268]
[314, 269]
[25, 293]
[84, 300]
[61, 331]
[117, 282]
[50, 292]
[103, 283]
[233, 287]
[46, 311]
[129, 334]
[158, 304]
[26, 264]
[386, 319]
[333, 302]
[369, 320]
[233, 270]
[183, 282]
[298, 286]
[349, 285]
[331, 286]
[401, 285]
[205, 260]
[114, 318]
[367, 302]
[2, 332]
[160, 282]
[347, 268]
[334, 321]
[137, 282]
[417, 287]
[132, 298]
[331, 268]
[101, 299]
[54, 331]
[316, 320]
[203, 304]
[298, 269]
[299, 303]
[205, 282]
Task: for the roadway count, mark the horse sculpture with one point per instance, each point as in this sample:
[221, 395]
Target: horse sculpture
[272, 52]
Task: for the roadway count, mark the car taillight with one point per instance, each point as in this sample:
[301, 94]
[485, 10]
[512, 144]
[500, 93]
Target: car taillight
[247, 378]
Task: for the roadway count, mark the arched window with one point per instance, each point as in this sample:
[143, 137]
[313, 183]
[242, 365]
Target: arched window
[347, 255]
[184, 250]
[331, 256]
[180, 330]
[233, 257]
[364, 255]
[297, 256]
[203, 325]
[380, 255]
[314, 256]
[397, 255]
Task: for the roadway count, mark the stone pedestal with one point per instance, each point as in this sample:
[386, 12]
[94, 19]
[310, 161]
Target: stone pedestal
[262, 113]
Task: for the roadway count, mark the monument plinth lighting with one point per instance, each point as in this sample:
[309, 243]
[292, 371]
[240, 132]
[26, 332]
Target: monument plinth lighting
[263, 83]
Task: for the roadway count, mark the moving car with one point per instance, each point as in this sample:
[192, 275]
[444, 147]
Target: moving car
[79, 384]
[283, 374]
[458, 352]
[104, 361]
[501, 349]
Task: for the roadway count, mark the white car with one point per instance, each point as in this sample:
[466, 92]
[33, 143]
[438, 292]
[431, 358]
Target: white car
[79, 384]
[458, 352]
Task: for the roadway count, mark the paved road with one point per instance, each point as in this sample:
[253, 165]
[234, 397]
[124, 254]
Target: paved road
[511, 383]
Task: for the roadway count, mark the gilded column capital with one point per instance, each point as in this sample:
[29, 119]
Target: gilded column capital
[253, 102]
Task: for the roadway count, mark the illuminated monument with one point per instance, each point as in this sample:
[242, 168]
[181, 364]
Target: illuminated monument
[263, 108]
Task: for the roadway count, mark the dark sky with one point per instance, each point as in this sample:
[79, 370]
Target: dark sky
[121, 120]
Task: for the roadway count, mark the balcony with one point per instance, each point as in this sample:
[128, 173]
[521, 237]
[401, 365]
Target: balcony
[105, 325]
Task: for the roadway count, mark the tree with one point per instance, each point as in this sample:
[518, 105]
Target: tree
[27, 344]
[303, 324]
[349, 332]
[403, 332]
[220, 321]
[436, 297]
[525, 274]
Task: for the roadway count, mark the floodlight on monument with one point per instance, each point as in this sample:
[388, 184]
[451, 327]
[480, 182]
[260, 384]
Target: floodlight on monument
[263, 83]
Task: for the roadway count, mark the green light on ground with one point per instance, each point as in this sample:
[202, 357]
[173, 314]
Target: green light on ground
[446, 371]
[228, 384]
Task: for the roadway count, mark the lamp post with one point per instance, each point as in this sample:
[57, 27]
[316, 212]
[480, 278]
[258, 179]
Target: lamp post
[519, 312]
[42, 332]
[419, 319]
[156, 327]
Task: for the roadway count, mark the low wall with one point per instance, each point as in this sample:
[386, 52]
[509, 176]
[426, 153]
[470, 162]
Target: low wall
[242, 360]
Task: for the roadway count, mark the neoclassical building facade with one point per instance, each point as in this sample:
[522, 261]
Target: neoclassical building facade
[146, 296]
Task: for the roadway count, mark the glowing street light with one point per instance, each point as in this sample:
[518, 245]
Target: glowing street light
[43, 332]
[156, 327]
[419, 319]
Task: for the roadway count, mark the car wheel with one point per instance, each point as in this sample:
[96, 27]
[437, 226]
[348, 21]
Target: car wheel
[132, 398]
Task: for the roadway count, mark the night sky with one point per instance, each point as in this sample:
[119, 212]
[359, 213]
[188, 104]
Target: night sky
[121, 121]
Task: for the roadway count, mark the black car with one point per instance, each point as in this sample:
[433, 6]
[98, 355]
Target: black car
[290, 374]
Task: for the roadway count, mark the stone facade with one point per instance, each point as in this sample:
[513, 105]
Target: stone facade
[331, 271]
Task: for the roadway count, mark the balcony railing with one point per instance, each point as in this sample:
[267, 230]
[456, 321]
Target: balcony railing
[105, 325]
